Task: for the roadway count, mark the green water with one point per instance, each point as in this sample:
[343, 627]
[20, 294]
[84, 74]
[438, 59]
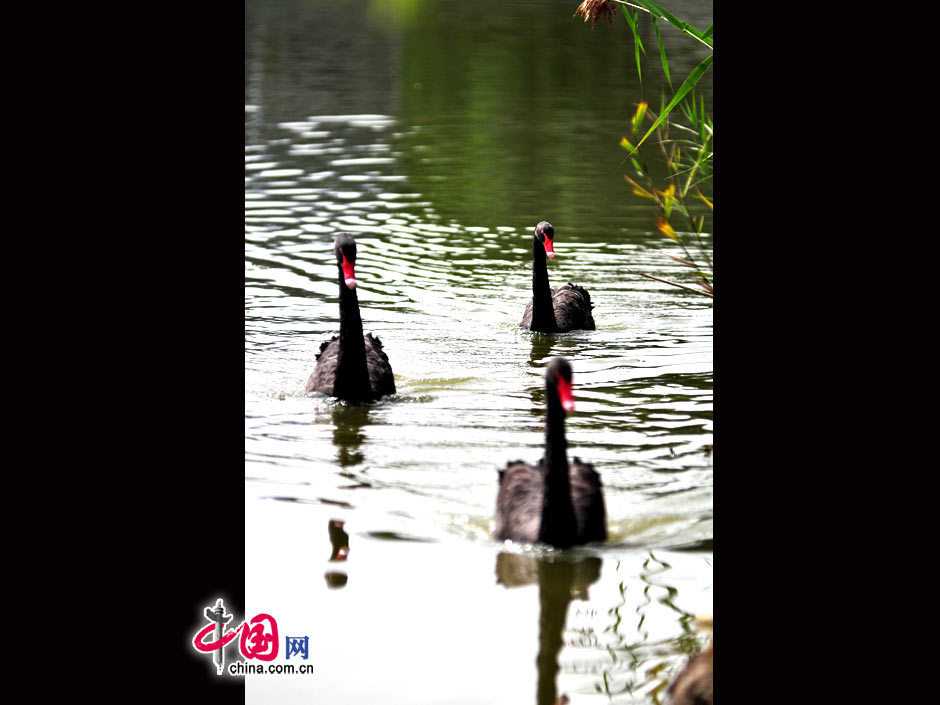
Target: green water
[439, 133]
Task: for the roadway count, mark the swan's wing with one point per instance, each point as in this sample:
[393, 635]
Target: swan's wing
[527, 317]
[573, 308]
[519, 503]
[381, 377]
[587, 495]
[324, 375]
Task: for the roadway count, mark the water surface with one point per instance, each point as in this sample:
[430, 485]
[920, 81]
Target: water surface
[439, 133]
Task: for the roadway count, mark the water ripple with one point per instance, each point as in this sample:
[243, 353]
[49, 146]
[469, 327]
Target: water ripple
[446, 298]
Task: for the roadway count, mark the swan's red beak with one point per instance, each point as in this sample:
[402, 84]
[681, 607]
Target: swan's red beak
[549, 247]
[564, 393]
[349, 273]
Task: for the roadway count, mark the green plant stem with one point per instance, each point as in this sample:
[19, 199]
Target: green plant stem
[680, 28]
[695, 167]
[676, 284]
[679, 202]
[701, 245]
[662, 134]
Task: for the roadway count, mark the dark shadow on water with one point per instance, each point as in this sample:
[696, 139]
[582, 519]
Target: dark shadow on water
[700, 546]
[546, 346]
[541, 353]
[541, 349]
[348, 422]
[318, 500]
[336, 579]
[396, 536]
[561, 579]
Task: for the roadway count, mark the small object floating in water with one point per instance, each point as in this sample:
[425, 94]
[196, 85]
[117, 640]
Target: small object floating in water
[554, 502]
[339, 539]
[554, 310]
[350, 366]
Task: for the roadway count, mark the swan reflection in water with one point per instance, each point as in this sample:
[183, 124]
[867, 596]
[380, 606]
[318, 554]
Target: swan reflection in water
[541, 349]
[561, 579]
[339, 540]
[547, 345]
[348, 437]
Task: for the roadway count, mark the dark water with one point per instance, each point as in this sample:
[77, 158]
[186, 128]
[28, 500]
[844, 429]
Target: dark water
[439, 133]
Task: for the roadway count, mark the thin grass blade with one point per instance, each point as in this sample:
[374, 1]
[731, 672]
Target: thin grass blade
[687, 85]
[632, 19]
[662, 53]
[657, 11]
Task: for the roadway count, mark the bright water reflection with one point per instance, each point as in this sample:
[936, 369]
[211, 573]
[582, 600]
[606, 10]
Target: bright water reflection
[441, 185]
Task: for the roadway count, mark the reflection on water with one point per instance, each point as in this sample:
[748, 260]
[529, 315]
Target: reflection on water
[694, 685]
[610, 649]
[639, 661]
[348, 436]
[336, 579]
[560, 580]
[339, 540]
[439, 136]
[542, 345]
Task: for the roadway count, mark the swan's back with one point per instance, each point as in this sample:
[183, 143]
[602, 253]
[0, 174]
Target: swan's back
[381, 377]
[519, 502]
[527, 316]
[573, 308]
[324, 374]
[587, 495]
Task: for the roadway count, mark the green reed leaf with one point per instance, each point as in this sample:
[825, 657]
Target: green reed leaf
[632, 20]
[662, 53]
[687, 85]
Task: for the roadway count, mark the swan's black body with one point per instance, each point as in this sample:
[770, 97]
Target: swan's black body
[351, 366]
[554, 310]
[555, 502]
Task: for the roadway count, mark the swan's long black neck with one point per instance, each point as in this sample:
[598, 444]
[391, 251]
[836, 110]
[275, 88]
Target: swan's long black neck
[352, 371]
[558, 526]
[543, 310]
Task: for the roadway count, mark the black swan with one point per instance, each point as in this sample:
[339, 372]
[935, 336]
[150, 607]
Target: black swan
[554, 310]
[351, 366]
[554, 502]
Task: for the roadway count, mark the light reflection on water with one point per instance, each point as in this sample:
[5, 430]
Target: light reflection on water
[425, 597]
